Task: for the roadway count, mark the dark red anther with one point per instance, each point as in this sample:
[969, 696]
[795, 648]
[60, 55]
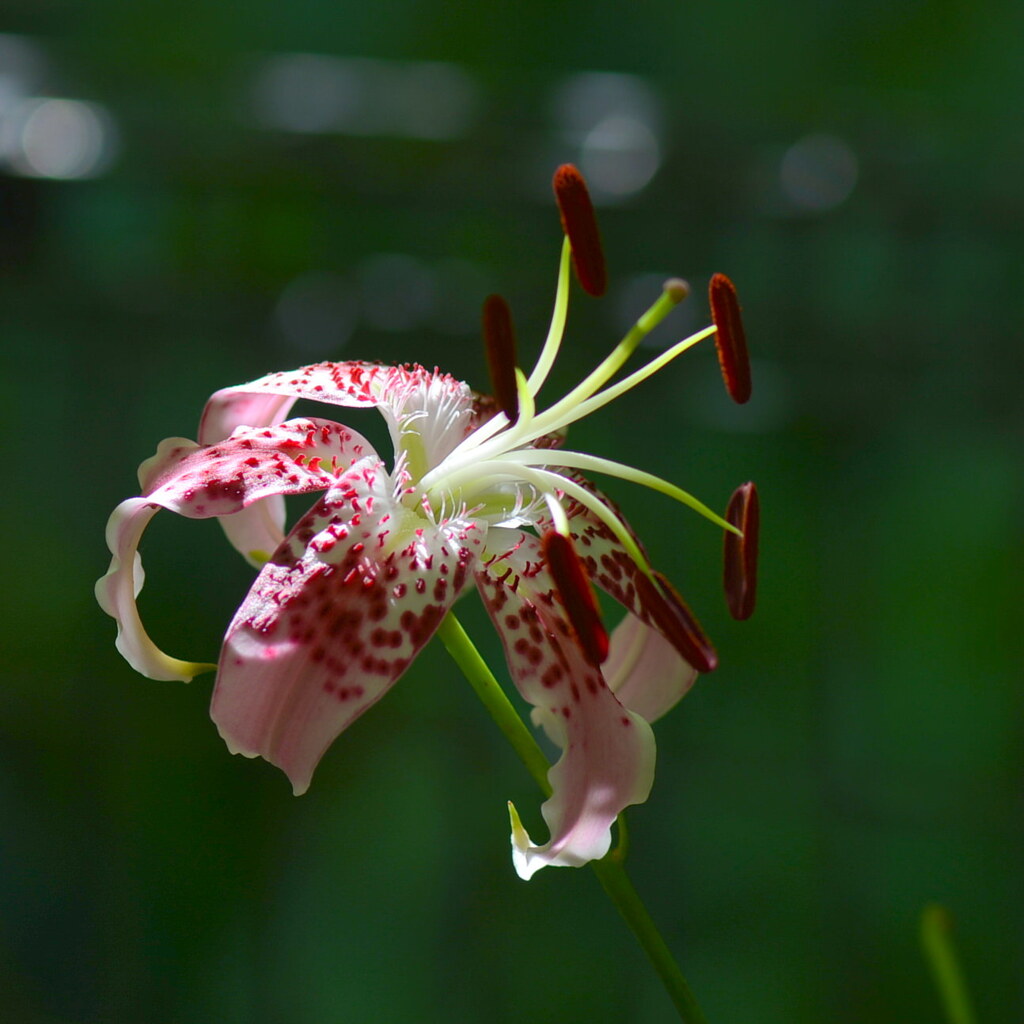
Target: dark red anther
[675, 620]
[744, 512]
[580, 225]
[500, 342]
[730, 340]
[577, 596]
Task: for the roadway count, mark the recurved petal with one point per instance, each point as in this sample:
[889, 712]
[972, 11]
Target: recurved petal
[437, 405]
[244, 476]
[220, 480]
[334, 618]
[610, 566]
[645, 671]
[607, 760]
[118, 589]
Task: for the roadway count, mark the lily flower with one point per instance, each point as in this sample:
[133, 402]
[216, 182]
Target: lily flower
[479, 494]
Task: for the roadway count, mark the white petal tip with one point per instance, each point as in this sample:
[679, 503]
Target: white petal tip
[299, 783]
[523, 850]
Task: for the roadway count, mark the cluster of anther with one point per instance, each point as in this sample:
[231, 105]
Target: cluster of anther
[571, 572]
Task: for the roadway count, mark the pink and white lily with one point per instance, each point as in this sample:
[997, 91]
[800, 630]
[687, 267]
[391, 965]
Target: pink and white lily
[472, 498]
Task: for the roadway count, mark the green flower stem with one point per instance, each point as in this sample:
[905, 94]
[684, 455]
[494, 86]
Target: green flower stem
[611, 870]
[481, 678]
[936, 938]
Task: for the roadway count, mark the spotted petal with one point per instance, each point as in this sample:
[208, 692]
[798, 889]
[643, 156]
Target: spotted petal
[198, 482]
[437, 406]
[607, 761]
[440, 406]
[659, 671]
[334, 618]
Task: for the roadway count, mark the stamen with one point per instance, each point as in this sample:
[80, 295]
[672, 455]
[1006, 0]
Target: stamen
[552, 342]
[527, 405]
[577, 595]
[580, 460]
[662, 602]
[580, 401]
[730, 340]
[740, 574]
[557, 513]
[580, 225]
[500, 343]
[566, 410]
[483, 474]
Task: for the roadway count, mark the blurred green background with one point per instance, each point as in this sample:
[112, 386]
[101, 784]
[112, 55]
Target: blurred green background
[220, 190]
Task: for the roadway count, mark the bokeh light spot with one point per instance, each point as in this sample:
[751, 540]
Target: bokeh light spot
[818, 172]
[615, 120]
[59, 138]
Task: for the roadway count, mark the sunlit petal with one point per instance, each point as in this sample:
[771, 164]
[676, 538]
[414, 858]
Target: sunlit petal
[334, 618]
[607, 760]
[200, 482]
[645, 671]
[437, 405]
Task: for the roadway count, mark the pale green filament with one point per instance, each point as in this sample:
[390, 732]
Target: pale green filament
[554, 339]
[558, 516]
[613, 391]
[548, 482]
[545, 482]
[544, 363]
[527, 405]
[562, 413]
[580, 460]
[666, 302]
[502, 453]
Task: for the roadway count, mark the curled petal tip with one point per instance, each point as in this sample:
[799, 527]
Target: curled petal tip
[740, 554]
[580, 226]
[730, 339]
[519, 834]
[522, 846]
[577, 596]
[500, 343]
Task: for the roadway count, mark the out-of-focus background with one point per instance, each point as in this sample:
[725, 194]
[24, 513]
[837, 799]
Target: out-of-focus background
[192, 194]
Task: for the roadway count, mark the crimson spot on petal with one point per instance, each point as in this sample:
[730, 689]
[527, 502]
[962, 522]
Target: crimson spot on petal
[580, 225]
[730, 339]
[577, 595]
[500, 343]
[670, 613]
[740, 573]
